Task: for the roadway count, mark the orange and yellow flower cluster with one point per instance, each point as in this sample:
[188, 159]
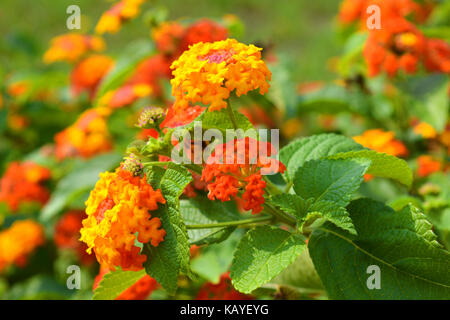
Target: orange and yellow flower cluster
[208, 72]
[87, 137]
[23, 183]
[71, 47]
[235, 166]
[122, 11]
[398, 44]
[18, 242]
[118, 208]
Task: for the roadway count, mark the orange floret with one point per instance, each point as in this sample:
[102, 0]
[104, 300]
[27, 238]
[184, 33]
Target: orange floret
[237, 165]
[88, 73]
[356, 10]
[122, 11]
[22, 183]
[87, 137]
[425, 130]
[427, 165]
[204, 30]
[382, 141]
[71, 47]
[208, 72]
[399, 45]
[19, 241]
[437, 56]
[167, 37]
[119, 208]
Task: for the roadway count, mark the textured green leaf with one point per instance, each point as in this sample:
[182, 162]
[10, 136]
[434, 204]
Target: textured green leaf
[330, 180]
[171, 256]
[301, 274]
[204, 211]
[402, 244]
[383, 165]
[296, 153]
[313, 213]
[78, 182]
[220, 120]
[292, 204]
[116, 282]
[323, 211]
[262, 254]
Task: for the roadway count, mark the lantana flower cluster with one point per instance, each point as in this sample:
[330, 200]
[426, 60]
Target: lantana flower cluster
[118, 208]
[236, 166]
[208, 72]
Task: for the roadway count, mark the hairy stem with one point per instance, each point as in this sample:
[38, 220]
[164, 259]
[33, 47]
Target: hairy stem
[229, 223]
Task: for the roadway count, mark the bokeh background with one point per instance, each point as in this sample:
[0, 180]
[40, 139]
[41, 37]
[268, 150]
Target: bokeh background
[302, 30]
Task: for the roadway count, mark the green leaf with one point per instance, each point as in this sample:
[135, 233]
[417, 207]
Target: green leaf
[262, 254]
[39, 287]
[383, 165]
[171, 256]
[116, 282]
[313, 213]
[428, 98]
[124, 66]
[402, 244]
[296, 153]
[323, 211]
[330, 180]
[215, 259]
[301, 274]
[333, 99]
[292, 204]
[78, 182]
[204, 211]
[220, 120]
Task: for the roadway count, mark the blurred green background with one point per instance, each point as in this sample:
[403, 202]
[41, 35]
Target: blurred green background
[302, 30]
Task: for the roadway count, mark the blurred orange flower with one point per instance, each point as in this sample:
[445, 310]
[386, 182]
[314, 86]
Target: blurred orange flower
[221, 291]
[382, 141]
[122, 11]
[87, 137]
[88, 73]
[67, 234]
[427, 165]
[71, 47]
[22, 183]
[18, 242]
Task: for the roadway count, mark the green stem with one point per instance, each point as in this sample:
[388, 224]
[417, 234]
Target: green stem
[273, 189]
[288, 187]
[231, 114]
[229, 223]
[283, 217]
[155, 163]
